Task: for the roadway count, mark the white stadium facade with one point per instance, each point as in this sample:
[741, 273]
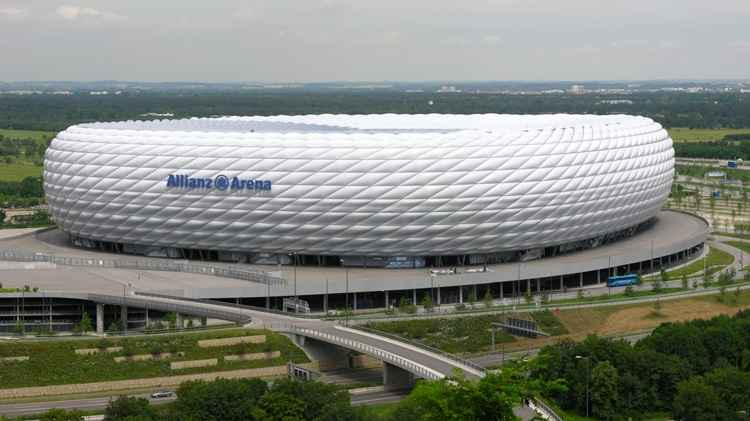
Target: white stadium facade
[383, 190]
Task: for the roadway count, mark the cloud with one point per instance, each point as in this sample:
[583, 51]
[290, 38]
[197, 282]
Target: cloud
[12, 13]
[68, 12]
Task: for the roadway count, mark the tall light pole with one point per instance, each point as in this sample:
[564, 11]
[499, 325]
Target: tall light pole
[588, 375]
[296, 299]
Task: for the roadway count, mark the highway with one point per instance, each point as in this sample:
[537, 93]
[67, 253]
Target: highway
[376, 396]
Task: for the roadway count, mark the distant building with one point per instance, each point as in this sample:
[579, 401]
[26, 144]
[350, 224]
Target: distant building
[577, 90]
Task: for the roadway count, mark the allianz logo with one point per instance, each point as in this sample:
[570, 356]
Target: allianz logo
[220, 182]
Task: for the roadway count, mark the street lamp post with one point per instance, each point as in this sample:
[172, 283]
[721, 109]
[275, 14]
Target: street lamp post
[588, 376]
[293, 255]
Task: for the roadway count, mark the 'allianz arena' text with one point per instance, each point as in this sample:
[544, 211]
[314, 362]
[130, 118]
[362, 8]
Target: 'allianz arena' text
[379, 190]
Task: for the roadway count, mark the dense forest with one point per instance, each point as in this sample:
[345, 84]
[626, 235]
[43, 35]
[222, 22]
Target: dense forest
[697, 370]
[55, 112]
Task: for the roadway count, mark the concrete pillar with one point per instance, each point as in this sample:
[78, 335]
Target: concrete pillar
[460, 294]
[395, 378]
[414, 296]
[598, 276]
[179, 321]
[99, 319]
[354, 301]
[325, 303]
[562, 284]
[147, 320]
[501, 291]
[387, 300]
[439, 301]
[124, 317]
[538, 285]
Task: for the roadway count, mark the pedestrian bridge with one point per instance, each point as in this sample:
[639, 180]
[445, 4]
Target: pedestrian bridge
[403, 362]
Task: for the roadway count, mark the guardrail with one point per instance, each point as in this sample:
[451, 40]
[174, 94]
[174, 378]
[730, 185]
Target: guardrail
[387, 356]
[539, 406]
[130, 300]
[417, 344]
[226, 304]
[158, 265]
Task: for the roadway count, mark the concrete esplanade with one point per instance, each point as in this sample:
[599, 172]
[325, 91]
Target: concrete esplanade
[64, 272]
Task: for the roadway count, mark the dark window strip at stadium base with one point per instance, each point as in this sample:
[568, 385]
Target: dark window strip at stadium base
[461, 294]
[391, 262]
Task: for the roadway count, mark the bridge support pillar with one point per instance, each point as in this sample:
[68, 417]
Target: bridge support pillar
[354, 301]
[438, 296]
[179, 321]
[414, 296]
[501, 290]
[460, 294]
[395, 378]
[328, 356]
[562, 283]
[387, 301]
[100, 319]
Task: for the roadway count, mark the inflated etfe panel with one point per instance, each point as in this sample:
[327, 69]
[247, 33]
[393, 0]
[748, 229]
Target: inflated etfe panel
[400, 185]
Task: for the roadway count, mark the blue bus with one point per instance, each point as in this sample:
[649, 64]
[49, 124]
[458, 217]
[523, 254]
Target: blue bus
[622, 281]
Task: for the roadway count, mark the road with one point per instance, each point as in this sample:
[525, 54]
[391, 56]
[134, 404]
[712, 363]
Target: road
[99, 404]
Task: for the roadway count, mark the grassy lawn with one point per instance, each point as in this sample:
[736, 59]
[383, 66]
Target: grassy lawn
[742, 245]
[733, 235]
[457, 335]
[549, 323]
[55, 362]
[27, 134]
[621, 295]
[715, 261]
[684, 134]
[17, 171]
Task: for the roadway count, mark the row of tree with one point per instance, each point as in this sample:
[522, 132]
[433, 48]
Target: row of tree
[723, 149]
[672, 109]
[22, 149]
[492, 398]
[667, 371]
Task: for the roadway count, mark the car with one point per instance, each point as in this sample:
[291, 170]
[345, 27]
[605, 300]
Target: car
[162, 394]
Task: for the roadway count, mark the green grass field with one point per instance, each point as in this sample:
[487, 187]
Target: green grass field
[715, 260]
[27, 134]
[684, 134]
[55, 361]
[17, 171]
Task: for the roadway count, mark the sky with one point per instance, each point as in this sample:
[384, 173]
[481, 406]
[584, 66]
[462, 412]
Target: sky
[374, 40]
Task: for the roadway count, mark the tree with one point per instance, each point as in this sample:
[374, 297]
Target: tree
[275, 406]
[57, 414]
[427, 303]
[320, 401]
[85, 324]
[223, 399]
[604, 384]
[125, 408]
[491, 398]
[487, 299]
[472, 296]
[697, 401]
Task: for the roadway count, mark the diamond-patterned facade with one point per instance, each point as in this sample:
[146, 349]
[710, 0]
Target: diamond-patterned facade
[400, 185]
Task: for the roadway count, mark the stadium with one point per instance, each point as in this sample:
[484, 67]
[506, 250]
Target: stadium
[396, 191]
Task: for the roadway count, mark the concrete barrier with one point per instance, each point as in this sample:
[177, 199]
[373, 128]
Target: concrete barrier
[209, 343]
[154, 382]
[94, 351]
[253, 356]
[181, 365]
